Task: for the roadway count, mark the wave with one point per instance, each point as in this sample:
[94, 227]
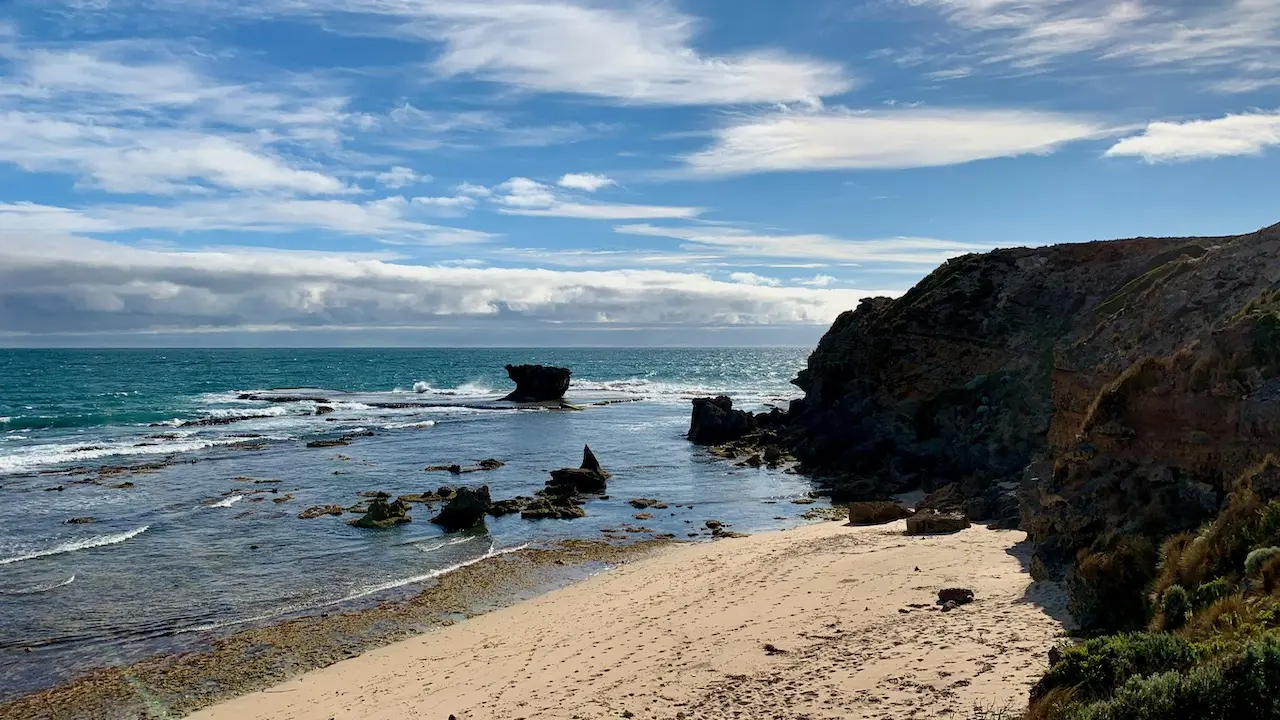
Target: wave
[466, 389]
[40, 588]
[410, 424]
[226, 503]
[362, 593]
[72, 422]
[421, 544]
[57, 454]
[84, 544]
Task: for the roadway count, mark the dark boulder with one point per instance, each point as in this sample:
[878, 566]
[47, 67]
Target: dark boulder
[465, 510]
[715, 422]
[959, 596]
[545, 508]
[382, 514]
[590, 479]
[321, 510]
[510, 506]
[929, 522]
[538, 383]
[876, 512]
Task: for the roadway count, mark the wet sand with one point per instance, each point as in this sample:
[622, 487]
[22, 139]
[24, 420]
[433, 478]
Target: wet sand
[825, 621]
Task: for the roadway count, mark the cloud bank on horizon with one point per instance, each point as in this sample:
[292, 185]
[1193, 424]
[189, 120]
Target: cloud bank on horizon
[426, 170]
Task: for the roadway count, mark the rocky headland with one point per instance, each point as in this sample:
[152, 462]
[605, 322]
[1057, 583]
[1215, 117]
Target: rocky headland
[1092, 393]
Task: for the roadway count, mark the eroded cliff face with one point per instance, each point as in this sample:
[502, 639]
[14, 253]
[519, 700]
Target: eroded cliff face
[1117, 385]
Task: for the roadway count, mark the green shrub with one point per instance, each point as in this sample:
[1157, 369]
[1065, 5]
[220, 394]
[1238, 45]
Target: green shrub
[1096, 668]
[1176, 607]
[1232, 687]
[1211, 592]
[1107, 589]
[1256, 559]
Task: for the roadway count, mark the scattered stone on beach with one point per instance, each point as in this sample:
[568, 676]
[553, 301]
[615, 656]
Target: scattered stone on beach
[455, 469]
[266, 482]
[646, 503]
[959, 596]
[81, 521]
[509, 506]
[772, 649]
[643, 516]
[282, 499]
[382, 514]
[714, 525]
[715, 422]
[803, 501]
[824, 513]
[376, 494]
[876, 512]
[465, 510]
[321, 510]
[340, 442]
[490, 464]
[538, 383]
[486, 464]
[929, 522]
[545, 509]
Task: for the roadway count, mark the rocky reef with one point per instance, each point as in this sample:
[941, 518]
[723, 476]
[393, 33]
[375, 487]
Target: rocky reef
[1102, 396]
[538, 383]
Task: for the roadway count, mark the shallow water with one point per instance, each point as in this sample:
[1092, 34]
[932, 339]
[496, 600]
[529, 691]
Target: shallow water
[197, 547]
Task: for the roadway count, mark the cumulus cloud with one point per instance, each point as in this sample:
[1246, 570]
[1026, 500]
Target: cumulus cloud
[522, 196]
[1245, 134]
[587, 182]
[400, 176]
[817, 281]
[747, 278]
[739, 241]
[902, 138]
[53, 283]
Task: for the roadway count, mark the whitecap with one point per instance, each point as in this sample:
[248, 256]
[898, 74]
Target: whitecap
[411, 424]
[84, 544]
[426, 548]
[228, 502]
[40, 588]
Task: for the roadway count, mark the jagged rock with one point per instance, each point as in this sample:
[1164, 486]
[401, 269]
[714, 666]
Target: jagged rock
[81, 521]
[321, 510]
[340, 442]
[509, 506]
[715, 422]
[382, 514]
[490, 464]
[646, 503]
[545, 508]
[590, 479]
[324, 409]
[465, 510]
[876, 512]
[929, 522]
[959, 596]
[455, 468]
[538, 383]
[714, 525]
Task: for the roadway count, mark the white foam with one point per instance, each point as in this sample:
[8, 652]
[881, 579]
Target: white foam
[39, 455]
[273, 411]
[411, 424]
[422, 387]
[40, 588]
[84, 544]
[227, 503]
[419, 545]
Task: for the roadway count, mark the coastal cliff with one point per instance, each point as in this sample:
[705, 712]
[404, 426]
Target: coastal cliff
[1102, 395]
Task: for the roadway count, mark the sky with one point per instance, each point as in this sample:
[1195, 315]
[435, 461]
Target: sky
[593, 172]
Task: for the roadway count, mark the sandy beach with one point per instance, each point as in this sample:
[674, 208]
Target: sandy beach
[850, 613]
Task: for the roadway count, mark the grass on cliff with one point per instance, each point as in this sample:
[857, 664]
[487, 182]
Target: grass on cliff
[1212, 649]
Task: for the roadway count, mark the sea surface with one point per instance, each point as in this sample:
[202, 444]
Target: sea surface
[208, 541]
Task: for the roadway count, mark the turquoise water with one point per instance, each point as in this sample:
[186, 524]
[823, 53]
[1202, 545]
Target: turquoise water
[190, 551]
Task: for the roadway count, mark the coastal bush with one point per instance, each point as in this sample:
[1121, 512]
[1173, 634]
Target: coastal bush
[1096, 668]
[1208, 593]
[1256, 559]
[1239, 684]
[1175, 607]
[1106, 590]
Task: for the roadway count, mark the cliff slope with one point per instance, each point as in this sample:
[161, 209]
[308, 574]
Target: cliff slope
[1115, 388]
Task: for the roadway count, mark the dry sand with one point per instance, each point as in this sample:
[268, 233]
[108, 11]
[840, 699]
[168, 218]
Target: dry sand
[682, 634]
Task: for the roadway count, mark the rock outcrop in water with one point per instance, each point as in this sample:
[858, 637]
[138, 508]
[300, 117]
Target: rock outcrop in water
[383, 514]
[466, 509]
[1105, 393]
[589, 479]
[538, 383]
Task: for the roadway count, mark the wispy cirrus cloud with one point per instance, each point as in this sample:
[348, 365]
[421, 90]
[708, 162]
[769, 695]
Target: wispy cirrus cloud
[841, 139]
[1231, 135]
[523, 196]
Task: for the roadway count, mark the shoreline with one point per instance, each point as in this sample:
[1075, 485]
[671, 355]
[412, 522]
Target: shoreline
[258, 656]
[681, 633]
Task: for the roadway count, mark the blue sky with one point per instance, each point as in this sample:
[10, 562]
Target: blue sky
[593, 171]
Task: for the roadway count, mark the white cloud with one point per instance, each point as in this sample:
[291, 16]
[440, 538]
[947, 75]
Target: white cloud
[817, 281]
[910, 138]
[636, 53]
[389, 219]
[1245, 134]
[448, 205]
[52, 283]
[917, 251]
[473, 190]
[747, 278]
[587, 182]
[951, 74]
[400, 176]
[522, 196]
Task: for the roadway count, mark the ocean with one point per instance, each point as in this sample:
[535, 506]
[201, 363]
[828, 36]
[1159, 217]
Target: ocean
[201, 535]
